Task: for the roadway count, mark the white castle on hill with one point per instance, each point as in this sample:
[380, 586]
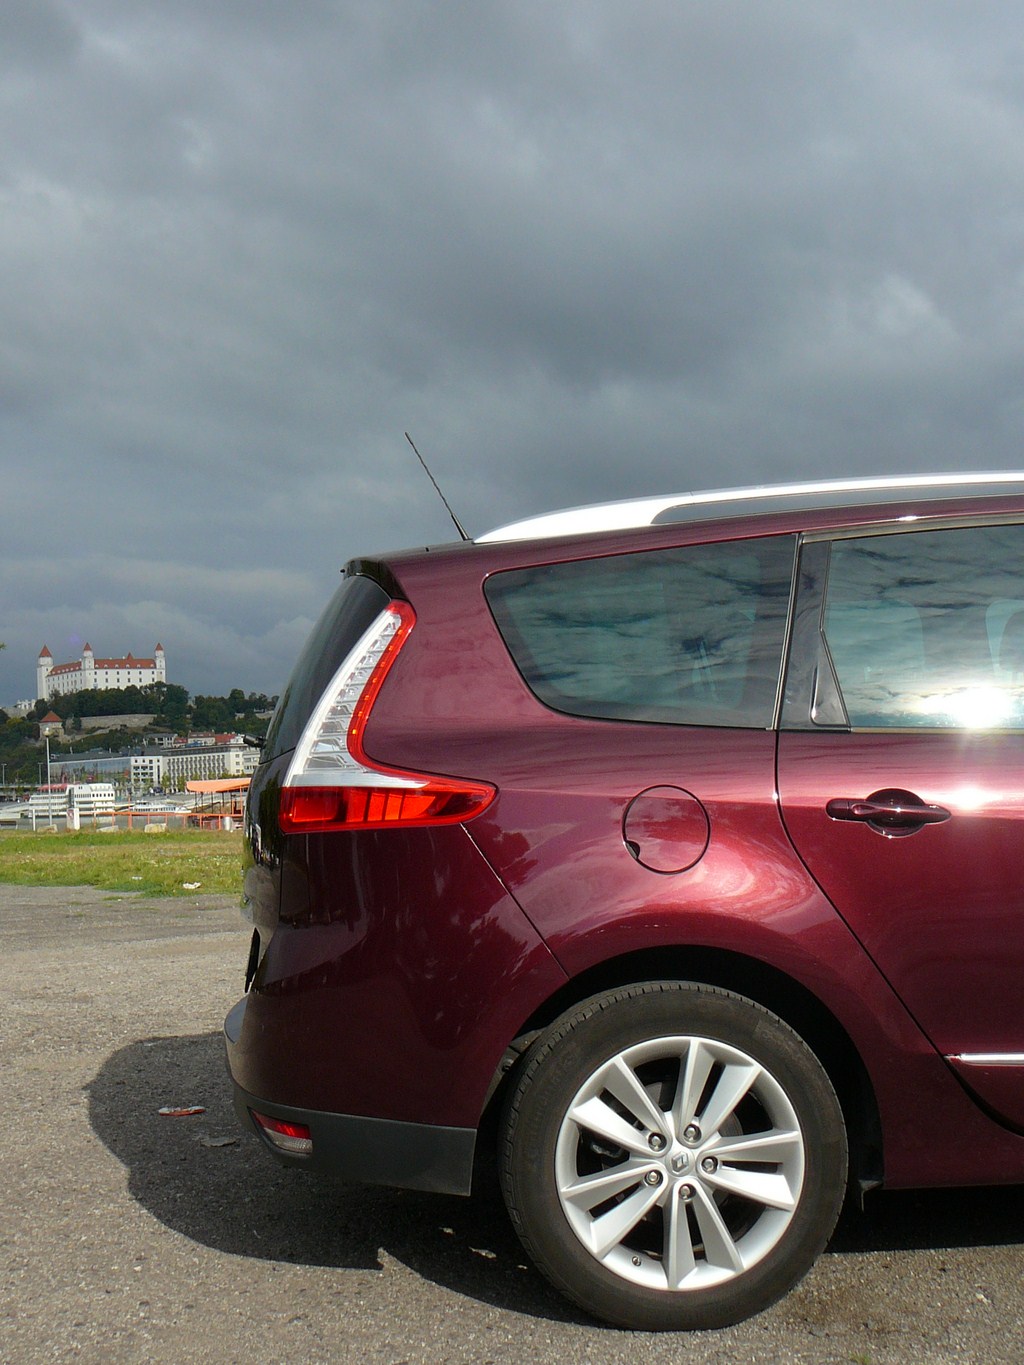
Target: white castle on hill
[54, 680]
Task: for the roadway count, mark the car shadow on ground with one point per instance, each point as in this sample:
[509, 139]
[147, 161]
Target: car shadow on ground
[203, 1177]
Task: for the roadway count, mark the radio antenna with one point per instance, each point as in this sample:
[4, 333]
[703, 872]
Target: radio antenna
[458, 524]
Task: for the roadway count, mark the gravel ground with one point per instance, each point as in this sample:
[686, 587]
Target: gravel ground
[128, 1236]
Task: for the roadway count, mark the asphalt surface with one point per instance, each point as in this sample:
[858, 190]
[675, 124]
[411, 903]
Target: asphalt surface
[129, 1236]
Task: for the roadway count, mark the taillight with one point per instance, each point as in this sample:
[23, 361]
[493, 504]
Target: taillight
[332, 785]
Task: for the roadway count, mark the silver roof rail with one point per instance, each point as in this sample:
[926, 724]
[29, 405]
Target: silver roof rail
[724, 502]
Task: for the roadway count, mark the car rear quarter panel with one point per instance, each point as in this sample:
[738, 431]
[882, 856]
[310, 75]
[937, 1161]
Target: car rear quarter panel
[393, 987]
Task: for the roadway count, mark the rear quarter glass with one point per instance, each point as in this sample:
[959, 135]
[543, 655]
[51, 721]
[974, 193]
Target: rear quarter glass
[686, 636]
[348, 614]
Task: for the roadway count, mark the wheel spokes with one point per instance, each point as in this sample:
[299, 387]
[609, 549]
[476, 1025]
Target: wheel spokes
[693, 1078]
[601, 1119]
[719, 1248]
[770, 1188]
[778, 1188]
[678, 1254]
[774, 1146]
[730, 1088]
[622, 1081]
[589, 1191]
[608, 1229]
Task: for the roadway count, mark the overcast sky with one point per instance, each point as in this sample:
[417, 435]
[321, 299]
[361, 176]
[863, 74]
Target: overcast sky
[580, 249]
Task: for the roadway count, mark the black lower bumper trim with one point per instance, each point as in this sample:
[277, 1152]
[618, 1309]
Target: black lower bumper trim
[413, 1156]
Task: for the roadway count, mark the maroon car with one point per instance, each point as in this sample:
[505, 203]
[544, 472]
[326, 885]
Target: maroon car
[673, 846]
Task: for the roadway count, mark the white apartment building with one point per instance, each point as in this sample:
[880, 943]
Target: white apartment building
[170, 768]
[54, 680]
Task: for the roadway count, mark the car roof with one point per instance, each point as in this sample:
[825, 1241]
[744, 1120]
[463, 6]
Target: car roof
[669, 509]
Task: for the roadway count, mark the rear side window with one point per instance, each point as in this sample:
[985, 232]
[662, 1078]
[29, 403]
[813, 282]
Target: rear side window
[348, 614]
[687, 636]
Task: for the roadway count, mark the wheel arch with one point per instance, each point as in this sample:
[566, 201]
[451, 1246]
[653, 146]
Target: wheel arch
[767, 986]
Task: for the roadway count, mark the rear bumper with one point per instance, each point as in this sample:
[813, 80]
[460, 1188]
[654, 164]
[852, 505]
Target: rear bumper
[415, 1156]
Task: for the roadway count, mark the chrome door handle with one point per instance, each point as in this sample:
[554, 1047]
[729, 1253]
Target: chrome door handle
[890, 812]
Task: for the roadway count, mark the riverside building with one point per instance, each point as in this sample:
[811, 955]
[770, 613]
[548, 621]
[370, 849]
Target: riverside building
[203, 757]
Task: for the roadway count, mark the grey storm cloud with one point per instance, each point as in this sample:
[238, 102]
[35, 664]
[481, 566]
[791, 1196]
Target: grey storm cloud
[580, 251]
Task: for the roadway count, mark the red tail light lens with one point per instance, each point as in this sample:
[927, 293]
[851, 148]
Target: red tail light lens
[438, 802]
[331, 784]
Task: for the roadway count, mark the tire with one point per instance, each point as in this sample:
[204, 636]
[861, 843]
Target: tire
[620, 1158]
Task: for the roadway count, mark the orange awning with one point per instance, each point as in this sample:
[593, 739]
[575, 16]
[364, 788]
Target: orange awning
[219, 784]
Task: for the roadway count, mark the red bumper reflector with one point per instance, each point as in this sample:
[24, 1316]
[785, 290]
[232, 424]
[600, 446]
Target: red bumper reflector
[288, 1137]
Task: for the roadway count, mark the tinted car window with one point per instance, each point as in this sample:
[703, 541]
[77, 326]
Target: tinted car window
[348, 614]
[927, 628]
[688, 636]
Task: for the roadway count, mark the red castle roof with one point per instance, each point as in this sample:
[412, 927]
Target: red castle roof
[127, 662]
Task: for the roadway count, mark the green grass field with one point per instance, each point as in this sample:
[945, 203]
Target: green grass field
[171, 863]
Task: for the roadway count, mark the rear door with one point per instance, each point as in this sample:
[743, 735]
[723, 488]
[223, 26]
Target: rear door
[901, 775]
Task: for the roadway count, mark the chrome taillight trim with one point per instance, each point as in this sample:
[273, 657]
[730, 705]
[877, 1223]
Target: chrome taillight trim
[322, 757]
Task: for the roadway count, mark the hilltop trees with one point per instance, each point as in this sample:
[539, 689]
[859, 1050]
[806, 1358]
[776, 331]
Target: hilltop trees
[168, 703]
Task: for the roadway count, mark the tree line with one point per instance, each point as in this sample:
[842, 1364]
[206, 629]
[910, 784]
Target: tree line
[170, 705]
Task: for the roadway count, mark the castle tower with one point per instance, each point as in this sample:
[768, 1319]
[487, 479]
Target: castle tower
[43, 666]
[88, 666]
[161, 663]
